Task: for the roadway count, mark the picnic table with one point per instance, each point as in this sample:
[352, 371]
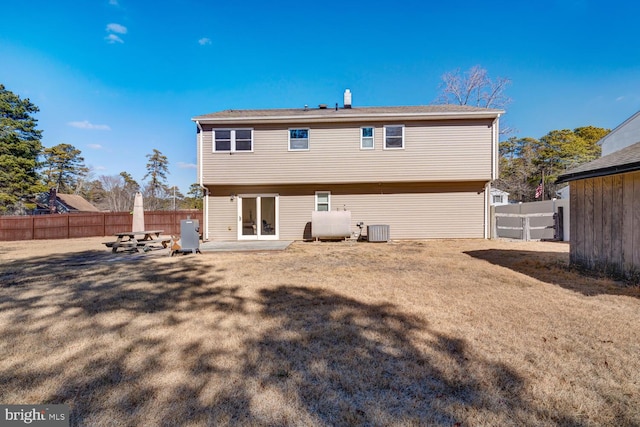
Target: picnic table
[138, 241]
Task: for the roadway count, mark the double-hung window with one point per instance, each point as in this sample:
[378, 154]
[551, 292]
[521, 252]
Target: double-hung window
[298, 139]
[366, 138]
[323, 201]
[233, 140]
[394, 137]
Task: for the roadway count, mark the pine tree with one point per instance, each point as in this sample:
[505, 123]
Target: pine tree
[157, 170]
[63, 167]
[19, 149]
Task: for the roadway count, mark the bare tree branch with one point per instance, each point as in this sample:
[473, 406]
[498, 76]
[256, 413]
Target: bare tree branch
[473, 87]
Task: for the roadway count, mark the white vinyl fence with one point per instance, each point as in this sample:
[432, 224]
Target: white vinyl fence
[546, 220]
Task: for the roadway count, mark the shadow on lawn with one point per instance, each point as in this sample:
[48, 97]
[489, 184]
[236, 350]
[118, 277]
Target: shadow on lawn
[73, 318]
[322, 359]
[98, 282]
[553, 267]
[351, 363]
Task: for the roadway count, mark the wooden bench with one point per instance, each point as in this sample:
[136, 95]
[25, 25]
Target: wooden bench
[144, 245]
[131, 241]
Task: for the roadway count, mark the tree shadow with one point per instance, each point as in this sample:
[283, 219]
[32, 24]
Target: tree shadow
[97, 282]
[93, 330]
[350, 363]
[553, 268]
[129, 341]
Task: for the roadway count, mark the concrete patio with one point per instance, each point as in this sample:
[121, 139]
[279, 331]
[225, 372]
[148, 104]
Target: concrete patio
[245, 246]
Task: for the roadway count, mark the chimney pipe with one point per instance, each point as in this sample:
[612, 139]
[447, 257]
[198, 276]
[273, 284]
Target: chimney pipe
[347, 98]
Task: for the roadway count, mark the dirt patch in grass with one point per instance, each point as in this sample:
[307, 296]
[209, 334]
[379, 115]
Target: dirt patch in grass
[442, 332]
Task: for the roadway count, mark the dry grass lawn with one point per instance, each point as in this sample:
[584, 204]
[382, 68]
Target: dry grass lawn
[462, 332]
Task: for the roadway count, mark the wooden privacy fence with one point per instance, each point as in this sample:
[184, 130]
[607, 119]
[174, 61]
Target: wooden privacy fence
[88, 224]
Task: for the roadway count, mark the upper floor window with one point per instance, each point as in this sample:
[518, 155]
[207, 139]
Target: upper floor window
[366, 138]
[394, 136]
[497, 199]
[229, 140]
[298, 139]
[323, 201]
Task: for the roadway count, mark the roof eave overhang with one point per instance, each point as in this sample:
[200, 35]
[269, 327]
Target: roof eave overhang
[612, 170]
[325, 118]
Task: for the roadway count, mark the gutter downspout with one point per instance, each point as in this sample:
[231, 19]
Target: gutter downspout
[494, 148]
[205, 205]
[495, 135]
[487, 209]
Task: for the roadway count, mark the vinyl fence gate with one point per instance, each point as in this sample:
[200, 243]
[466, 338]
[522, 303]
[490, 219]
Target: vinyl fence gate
[522, 226]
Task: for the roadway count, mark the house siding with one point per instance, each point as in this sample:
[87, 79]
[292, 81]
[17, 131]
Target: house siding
[445, 151]
[628, 133]
[412, 210]
[605, 223]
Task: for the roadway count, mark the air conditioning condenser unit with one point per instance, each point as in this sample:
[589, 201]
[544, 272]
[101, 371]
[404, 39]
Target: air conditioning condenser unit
[378, 233]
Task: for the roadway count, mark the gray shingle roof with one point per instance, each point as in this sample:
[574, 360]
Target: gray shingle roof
[624, 160]
[331, 112]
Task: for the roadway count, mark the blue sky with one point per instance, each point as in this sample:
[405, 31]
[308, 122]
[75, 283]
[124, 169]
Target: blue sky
[118, 78]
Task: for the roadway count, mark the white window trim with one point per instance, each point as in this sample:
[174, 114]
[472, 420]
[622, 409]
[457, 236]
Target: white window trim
[308, 139]
[328, 193]
[384, 138]
[373, 137]
[233, 140]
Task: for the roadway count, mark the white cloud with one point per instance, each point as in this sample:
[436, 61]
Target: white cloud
[114, 3]
[620, 98]
[112, 30]
[112, 38]
[95, 146]
[204, 41]
[100, 168]
[183, 165]
[116, 28]
[85, 124]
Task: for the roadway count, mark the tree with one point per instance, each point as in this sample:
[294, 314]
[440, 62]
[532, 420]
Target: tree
[157, 170]
[473, 87]
[195, 195]
[131, 186]
[119, 191]
[175, 198]
[64, 168]
[19, 149]
[591, 134]
[525, 162]
[518, 170]
[565, 149]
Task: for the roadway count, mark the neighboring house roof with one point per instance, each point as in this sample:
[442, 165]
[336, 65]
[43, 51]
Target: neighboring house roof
[498, 191]
[65, 203]
[329, 114]
[564, 192]
[77, 202]
[618, 128]
[624, 160]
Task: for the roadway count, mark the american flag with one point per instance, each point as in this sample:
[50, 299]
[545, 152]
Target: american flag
[539, 190]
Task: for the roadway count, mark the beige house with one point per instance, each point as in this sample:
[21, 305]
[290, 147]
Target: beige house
[424, 171]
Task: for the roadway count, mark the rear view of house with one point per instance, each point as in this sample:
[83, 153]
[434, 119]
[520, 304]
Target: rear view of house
[425, 171]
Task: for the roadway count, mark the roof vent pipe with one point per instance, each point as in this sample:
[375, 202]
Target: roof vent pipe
[347, 98]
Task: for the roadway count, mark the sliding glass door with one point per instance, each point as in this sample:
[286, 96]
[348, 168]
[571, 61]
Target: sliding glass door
[258, 217]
